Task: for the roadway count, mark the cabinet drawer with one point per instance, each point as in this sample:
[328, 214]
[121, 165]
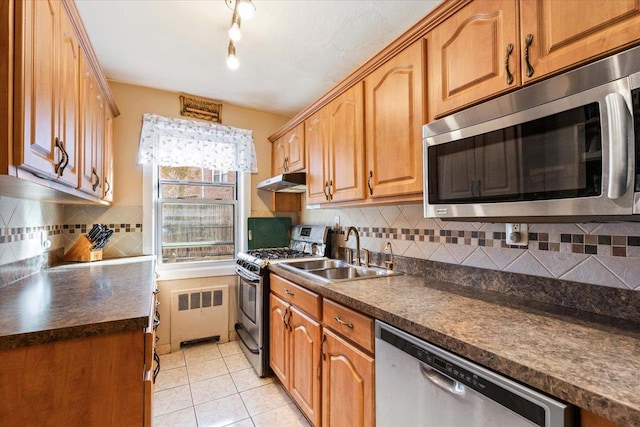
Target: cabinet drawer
[351, 324]
[305, 300]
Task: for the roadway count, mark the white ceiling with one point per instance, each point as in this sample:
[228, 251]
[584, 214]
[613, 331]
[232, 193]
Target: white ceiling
[291, 52]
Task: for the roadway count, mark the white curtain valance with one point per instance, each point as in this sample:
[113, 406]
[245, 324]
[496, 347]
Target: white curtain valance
[168, 141]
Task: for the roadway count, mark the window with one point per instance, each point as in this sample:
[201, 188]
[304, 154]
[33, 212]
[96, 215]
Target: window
[196, 215]
[196, 194]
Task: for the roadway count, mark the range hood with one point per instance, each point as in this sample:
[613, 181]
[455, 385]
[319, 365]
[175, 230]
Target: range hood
[285, 183]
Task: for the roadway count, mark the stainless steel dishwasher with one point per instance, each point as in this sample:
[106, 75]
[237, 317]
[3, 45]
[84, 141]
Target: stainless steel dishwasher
[421, 385]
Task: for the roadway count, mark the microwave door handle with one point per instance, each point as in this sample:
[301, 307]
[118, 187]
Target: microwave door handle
[617, 119]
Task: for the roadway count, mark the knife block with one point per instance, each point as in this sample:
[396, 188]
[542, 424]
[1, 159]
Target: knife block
[81, 251]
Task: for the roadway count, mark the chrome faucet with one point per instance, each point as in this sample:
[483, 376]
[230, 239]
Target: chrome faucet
[389, 263]
[356, 259]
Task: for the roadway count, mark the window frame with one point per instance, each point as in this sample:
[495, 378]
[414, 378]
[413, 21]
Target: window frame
[184, 270]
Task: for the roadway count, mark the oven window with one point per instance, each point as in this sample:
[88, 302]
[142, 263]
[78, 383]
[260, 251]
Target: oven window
[554, 157]
[247, 299]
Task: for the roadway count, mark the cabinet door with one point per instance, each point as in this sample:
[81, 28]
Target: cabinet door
[279, 339]
[278, 156]
[394, 119]
[467, 55]
[294, 142]
[93, 120]
[108, 157]
[347, 384]
[316, 138]
[36, 151]
[566, 33]
[346, 152]
[304, 363]
[69, 106]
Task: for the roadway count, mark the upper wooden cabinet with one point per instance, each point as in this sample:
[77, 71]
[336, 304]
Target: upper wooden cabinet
[287, 153]
[566, 33]
[46, 143]
[478, 53]
[93, 126]
[346, 146]
[334, 137]
[61, 106]
[316, 134]
[473, 55]
[107, 168]
[394, 119]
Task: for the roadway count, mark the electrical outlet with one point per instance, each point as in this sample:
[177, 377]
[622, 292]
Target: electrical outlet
[517, 234]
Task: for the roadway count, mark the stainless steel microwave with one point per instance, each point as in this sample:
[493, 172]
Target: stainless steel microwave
[567, 147]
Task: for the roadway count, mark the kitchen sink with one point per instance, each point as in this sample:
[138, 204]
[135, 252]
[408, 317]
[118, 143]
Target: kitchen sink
[334, 270]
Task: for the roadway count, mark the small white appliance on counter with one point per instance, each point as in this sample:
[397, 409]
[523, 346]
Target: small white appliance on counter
[566, 147]
[419, 384]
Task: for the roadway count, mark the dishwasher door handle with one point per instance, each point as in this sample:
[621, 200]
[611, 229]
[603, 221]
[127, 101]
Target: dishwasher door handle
[442, 381]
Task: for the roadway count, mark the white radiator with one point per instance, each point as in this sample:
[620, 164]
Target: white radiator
[199, 314]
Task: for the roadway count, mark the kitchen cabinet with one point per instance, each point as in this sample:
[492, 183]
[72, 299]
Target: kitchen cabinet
[58, 129]
[75, 382]
[47, 144]
[565, 34]
[473, 55]
[93, 127]
[394, 118]
[348, 384]
[108, 157]
[589, 419]
[295, 334]
[478, 52]
[317, 152]
[335, 149]
[287, 152]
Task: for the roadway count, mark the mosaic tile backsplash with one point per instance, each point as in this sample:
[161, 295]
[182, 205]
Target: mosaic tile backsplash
[605, 254]
[26, 224]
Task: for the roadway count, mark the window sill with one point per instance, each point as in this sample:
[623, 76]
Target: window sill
[194, 272]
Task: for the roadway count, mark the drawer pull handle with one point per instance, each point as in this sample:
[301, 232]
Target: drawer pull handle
[288, 292]
[528, 40]
[506, 63]
[342, 322]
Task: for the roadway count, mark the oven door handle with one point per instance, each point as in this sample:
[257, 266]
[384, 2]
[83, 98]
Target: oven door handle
[253, 278]
[240, 331]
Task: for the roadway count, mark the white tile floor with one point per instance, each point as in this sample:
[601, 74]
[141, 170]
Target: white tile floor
[214, 385]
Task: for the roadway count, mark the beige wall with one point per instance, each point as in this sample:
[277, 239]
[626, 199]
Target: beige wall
[134, 101]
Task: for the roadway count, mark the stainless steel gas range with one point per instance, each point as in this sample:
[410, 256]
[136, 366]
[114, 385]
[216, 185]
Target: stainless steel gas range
[252, 267]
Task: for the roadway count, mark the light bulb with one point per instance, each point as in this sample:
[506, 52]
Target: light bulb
[245, 8]
[234, 32]
[232, 62]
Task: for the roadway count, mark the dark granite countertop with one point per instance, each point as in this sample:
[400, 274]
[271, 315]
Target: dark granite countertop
[578, 357]
[77, 300]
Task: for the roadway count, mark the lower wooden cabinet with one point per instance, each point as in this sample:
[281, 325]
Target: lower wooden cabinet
[295, 355]
[348, 393]
[94, 381]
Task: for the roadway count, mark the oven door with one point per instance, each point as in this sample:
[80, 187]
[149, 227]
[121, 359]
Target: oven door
[572, 156]
[250, 313]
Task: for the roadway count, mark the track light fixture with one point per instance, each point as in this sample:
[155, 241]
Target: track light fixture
[242, 10]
